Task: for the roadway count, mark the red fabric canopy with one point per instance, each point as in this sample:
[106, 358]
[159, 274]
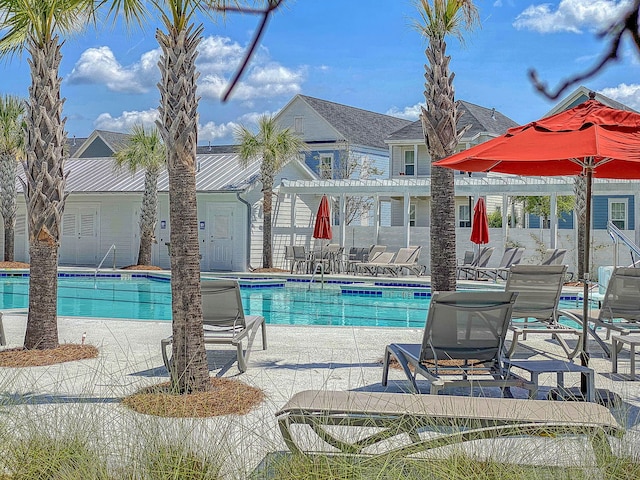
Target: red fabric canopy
[480, 225]
[589, 135]
[322, 228]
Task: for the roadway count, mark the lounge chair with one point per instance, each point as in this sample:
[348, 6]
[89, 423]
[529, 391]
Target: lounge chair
[539, 288]
[406, 258]
[511, 256]
[553, 256]
[394, 425]
[620, 308]
[224, 321]
[356, 255]
[468, 327]
[375, 263]
[480, 261]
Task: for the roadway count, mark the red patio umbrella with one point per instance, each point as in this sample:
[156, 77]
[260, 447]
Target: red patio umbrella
[480, 225]
[590, 139]
[322, 228]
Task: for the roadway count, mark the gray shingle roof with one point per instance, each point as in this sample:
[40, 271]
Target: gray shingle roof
[115, 140]
[357, 126]
[73, 144]
[481, 119]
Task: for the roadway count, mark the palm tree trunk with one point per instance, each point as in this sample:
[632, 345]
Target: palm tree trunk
[178, 127]
[439, 125]
[8, 167]
[267, 255]
[44, 191]
[148, 216]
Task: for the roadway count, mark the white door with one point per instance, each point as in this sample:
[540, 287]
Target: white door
[219, 229]
[79, 242]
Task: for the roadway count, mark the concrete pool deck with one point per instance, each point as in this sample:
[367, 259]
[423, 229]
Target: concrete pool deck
[297, 358]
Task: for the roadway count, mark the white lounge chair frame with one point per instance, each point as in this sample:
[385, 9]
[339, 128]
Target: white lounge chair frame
[466, 326]
[406, 257]
[401, 421]
[511, 256]
[480, 261]
[224, 321]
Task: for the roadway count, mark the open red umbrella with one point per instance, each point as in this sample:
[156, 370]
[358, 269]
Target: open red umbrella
[480, 225]
[590, 139]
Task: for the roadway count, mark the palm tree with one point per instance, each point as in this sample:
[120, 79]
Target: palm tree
[439, 18]
[35, 25]
[274, 147]
[178, 127]
[11, 150]
[145, 150]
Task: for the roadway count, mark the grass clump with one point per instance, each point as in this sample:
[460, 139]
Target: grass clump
[225, 397]
[174, 462]
[40, 457]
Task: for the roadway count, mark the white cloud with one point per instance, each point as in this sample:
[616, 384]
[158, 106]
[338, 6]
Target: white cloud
[213, 131]
[218, 58]
[571, 16]
[623, 93]
[125, 122]
[410, 113]
[99, 66]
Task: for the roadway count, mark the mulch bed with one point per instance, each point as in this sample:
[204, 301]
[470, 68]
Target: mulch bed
[68, 352]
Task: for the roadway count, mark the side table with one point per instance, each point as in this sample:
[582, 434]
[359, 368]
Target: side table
[559, 367]
[617, 341]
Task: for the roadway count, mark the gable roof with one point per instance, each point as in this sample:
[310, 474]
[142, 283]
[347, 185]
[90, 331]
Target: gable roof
[481, 119]
[356, 125]
[580, 95]
[214, 149]
[73, 144]
[114, 141]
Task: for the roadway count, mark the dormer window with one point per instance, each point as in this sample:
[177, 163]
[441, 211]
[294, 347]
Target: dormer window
[409, 162]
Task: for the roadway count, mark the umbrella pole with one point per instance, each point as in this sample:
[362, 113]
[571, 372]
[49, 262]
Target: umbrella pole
[584, 356]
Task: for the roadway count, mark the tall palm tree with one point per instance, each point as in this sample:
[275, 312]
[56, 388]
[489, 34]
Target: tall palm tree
[439, 18]
[178, 127]
[145, 150]
[11, 150]
[35, 25]
[273, 147]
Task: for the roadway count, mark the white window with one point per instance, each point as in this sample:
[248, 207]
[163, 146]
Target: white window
[412, 215]
[618, 212]
[409, 162]
[464, 217]
[298, 124]
[326, 166]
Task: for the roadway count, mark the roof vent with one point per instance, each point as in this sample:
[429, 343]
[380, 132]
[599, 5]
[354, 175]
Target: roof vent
[209, 145]
[493, 113]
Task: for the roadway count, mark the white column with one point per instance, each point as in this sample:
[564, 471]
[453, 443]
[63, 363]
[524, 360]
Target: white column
[376, 218]
[407, 231]
[505, 219]
[553, 220]
[343, 216]
[292, 235]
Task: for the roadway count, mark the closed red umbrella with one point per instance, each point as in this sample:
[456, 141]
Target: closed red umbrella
[590, 139]
[322, 228]
[480, 225]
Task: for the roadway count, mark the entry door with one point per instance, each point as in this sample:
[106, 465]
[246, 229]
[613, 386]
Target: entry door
[220, 233]
[79, 235]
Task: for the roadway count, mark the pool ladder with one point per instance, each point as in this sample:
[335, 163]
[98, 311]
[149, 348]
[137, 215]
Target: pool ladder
[319, 266]
[95, 275]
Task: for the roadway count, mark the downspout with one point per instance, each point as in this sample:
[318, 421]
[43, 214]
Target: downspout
[248, 266]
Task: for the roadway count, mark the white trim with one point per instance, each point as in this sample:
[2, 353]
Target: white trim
[623, 201]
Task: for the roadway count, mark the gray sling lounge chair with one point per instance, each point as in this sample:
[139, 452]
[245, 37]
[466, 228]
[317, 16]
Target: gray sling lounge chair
[480, 261]
[539, 288]
[224, 321]
[620, 308]
[375, 263]
[405, 258]
[511, 256]
[469, 327]
[399, 425]
[553, 256]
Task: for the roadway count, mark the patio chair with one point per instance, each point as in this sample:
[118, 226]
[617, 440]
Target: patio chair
[480, 261]
[620, 308]
[300, 262]
[406, 258]
[224, 321]
[463, 336]
[553, 256]
[539, 288]
[511, 256]
[356, 255]
[375, 262]
[396, 425]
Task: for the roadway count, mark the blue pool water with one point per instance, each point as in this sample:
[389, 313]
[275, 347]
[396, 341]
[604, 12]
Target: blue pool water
[145, 298]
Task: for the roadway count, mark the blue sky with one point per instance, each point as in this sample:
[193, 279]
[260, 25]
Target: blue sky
[362, 54]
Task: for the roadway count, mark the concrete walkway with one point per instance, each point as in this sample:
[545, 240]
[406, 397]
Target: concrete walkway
[298, 358]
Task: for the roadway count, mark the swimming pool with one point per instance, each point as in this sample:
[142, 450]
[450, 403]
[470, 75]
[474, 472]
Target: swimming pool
[145, 297]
